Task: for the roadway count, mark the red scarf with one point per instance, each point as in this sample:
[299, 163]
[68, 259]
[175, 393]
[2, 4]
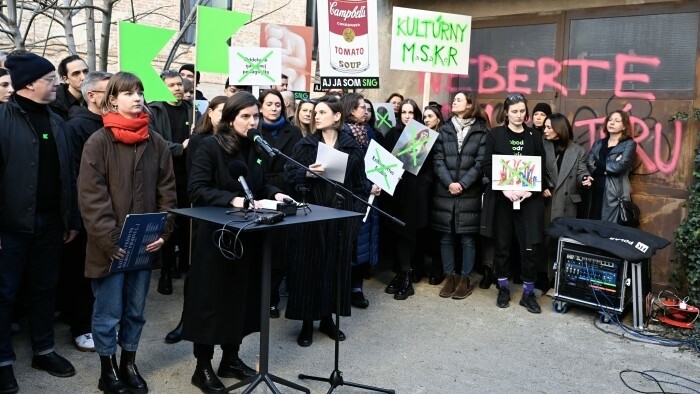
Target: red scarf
[128, 131]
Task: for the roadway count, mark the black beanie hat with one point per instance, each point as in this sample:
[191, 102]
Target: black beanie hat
[190, 67]
[27, 68]
[543, 107]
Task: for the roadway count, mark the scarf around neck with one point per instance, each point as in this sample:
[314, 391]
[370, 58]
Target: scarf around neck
[274, 127]
[359, 133]
[462, 126]
[128, 131]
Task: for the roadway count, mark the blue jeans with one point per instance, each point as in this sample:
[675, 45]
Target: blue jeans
[36, 259]
[120, 299]
[447, 250]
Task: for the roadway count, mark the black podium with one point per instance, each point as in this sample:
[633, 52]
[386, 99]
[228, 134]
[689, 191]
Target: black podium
[234, 221]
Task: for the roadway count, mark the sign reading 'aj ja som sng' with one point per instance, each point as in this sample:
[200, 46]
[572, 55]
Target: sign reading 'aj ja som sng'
[430, 41]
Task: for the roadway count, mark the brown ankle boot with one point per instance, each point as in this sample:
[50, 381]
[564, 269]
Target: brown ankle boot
[448, 288]
[463, 289]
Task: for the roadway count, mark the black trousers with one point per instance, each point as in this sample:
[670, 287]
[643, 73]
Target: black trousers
[36, 258]
[508, 221]
[74, 295]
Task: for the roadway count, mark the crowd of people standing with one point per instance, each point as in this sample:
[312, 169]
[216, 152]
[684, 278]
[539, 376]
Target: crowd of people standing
[92, 151]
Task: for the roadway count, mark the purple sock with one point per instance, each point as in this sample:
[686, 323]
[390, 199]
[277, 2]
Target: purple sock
[503, 283]
[528, 287]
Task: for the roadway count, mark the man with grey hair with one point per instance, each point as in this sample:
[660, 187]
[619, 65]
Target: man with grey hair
[173, 120]
[75, 290]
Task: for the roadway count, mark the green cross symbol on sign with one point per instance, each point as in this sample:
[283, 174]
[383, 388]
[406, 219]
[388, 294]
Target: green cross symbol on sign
[383, 120]
[255, 67]
[414, 148]
[515, 174]
[381, 168]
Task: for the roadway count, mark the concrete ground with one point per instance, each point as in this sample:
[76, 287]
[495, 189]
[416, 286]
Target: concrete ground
[425, 344]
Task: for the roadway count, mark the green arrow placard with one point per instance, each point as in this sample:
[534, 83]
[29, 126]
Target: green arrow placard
[136, 55]
[214, 27]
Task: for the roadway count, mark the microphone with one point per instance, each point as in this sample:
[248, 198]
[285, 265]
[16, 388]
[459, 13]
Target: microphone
[255, 136]
[246, 189]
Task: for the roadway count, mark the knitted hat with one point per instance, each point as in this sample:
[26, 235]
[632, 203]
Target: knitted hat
[543, 107]
[27, 68]
[190, 67]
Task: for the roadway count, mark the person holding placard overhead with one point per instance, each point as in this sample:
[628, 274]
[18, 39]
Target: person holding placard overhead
[516, 211]
[411, 204]
[124, 152]
[459, 155]
[314, 250]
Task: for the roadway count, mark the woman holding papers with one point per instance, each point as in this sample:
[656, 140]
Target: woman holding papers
[514, 211]
[410, 203]
[459, 155]
[314, 254]
[366, 252]
[222, 304]
[125, 169]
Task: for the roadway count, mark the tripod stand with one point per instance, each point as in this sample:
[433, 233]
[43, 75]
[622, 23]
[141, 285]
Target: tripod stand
[336, 377]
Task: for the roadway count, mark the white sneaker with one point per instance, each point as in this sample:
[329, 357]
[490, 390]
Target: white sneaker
[84, 343]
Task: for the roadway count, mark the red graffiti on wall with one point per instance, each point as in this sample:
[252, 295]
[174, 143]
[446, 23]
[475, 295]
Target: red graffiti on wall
[494, 78]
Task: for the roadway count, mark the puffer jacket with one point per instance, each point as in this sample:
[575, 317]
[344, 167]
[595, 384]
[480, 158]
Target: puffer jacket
[465, 166]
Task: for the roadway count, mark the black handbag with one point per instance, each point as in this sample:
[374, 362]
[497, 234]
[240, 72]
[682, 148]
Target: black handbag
[628, 213]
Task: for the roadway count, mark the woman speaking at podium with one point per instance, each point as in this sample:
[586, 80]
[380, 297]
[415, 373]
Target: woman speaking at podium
[314, 251]
[222, 304]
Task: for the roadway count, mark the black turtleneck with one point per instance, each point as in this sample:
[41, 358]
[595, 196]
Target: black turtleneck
[48, 190]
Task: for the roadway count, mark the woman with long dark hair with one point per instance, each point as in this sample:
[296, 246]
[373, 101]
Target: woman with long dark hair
[124, 152]
[432, 117]
[410, 203]
[6, 88]
[222, 304]
[459, 155]
[610, 162]
[314, 252]
[503, 215]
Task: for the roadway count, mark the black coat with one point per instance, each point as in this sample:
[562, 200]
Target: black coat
[465, 167]
[19, 171]
[314, 248]
[222, 304]
[411, 200]
[287, 138]
[64, 103]
[532, 208]
[81, 126]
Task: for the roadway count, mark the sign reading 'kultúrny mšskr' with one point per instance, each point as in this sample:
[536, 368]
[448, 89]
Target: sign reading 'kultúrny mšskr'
[252, 66]
[430, 41]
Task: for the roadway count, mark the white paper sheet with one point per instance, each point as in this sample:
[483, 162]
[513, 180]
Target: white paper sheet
[334, 162]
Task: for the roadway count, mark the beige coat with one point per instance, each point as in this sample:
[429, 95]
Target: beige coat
[117, 179]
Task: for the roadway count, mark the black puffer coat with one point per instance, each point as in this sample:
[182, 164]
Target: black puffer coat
[465, 166]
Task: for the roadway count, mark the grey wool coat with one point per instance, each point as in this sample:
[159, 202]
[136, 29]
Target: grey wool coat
[566, 181]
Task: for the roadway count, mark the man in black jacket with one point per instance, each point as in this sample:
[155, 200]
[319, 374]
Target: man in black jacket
[173, 121]
[72, 71]
[74, 290]
[38, 210]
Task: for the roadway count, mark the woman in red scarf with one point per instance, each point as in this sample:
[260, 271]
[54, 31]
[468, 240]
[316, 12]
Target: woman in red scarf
[125, 169]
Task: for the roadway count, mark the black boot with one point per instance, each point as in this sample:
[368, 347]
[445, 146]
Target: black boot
[487, 279]
[306, 335]
[232, 366]
[130, 375]
[393, 286]
[165, 283]
[405, 286]
[109, 380]
[205, 379]
[175, 335]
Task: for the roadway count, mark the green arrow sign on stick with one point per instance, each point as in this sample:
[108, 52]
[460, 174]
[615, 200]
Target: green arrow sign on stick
[214, 27]
[136, 55]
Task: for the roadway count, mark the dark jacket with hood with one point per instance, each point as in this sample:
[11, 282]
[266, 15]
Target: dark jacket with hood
[82, 124]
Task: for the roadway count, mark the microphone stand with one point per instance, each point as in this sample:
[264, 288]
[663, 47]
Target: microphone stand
[336, 378]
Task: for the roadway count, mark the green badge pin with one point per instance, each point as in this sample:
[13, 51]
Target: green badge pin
[45, 136]
[259, 161]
